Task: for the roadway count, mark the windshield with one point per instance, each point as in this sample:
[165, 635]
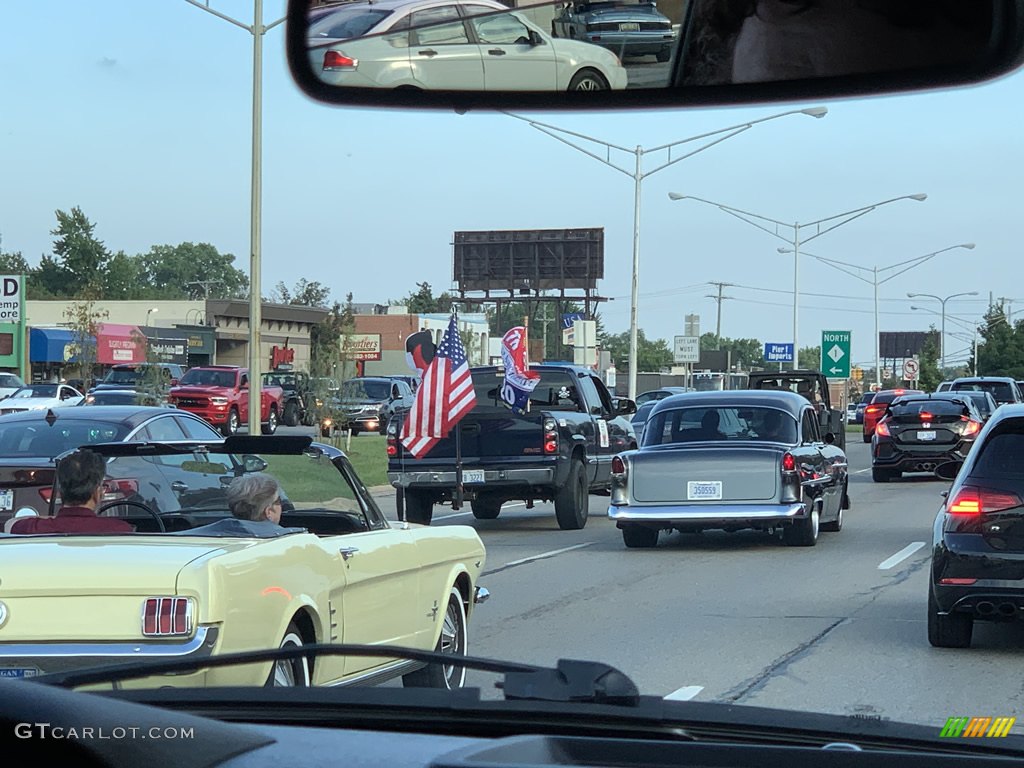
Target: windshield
[1001, 391]
[156, 192]
[8, 381]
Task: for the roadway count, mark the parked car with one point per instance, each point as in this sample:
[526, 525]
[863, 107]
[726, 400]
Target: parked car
[130, 376]
[299, 398]
[406, 43]
[1003, 389]
[123, 397]
[977, 562]
[220, 394]
[922, 431]
[731, 460]
[30, 441]
[368, 403]
[624, 28]
[193, 580]
[876, 408]
[40, 396]
[9, 384]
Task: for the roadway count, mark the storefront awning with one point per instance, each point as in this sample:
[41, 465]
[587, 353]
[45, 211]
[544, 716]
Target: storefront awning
[116, 343]
[51, 345]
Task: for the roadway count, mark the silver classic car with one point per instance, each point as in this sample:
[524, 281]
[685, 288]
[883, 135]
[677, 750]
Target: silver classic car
[730, 460]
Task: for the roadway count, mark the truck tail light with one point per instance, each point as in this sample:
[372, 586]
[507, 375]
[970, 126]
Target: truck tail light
[392, 441]
[550, 436]
[167, 617]
[971, 500]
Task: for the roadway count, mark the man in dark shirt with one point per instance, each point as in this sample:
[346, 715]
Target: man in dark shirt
[80, 478]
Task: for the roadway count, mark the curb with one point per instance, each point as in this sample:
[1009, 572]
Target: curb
[381, 490]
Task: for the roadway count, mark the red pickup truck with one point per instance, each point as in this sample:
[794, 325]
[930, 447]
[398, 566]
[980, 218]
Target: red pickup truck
[220, 394]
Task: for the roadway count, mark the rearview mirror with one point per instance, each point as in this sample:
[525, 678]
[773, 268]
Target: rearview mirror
[253, 463]
[701, 53]
[948, 470]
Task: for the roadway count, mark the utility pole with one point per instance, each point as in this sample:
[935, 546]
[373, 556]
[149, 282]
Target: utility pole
[719, 298]
[206, 285]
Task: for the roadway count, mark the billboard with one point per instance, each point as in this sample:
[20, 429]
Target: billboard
[361, 346]
[897, 345]
[528, 259]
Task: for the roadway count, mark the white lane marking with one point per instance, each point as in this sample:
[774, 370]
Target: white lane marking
[544, 555]
[862, 471]
[456, 514]
[900, 556]
[685, 693]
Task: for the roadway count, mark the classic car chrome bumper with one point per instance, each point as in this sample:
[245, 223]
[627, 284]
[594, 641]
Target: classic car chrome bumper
[481, 595]
[60, 657]
[535, 476]
[697, 513]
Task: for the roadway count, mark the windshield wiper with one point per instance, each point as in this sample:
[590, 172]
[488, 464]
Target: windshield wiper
[570, 680]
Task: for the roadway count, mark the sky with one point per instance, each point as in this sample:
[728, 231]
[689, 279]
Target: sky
[139, 112]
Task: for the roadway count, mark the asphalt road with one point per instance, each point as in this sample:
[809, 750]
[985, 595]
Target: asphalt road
[741, 618]
[646, 72]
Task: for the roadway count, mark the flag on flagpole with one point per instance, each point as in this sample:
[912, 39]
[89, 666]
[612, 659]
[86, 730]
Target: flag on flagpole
[444, 396]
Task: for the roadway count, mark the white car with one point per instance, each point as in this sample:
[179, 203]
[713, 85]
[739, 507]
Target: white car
[9, 384]
[457, 45]
[37, 396]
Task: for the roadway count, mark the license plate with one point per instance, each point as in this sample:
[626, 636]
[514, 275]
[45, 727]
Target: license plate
[6, 499]
[929, 435]
[473, 476]
[629, 27]
[700, 490]
[19, 671]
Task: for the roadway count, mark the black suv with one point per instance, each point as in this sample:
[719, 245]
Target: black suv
[1003, 389]
[920, 432]
[977, 568]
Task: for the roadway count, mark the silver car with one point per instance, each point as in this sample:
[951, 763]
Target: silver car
[730, 460]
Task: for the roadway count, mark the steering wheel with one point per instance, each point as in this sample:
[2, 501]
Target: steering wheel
[139, 504]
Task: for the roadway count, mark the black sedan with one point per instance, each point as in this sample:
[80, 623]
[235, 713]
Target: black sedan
[921, 431]
[977, 567]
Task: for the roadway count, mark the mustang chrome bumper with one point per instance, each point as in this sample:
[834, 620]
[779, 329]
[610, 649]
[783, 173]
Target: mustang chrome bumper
[60, 657]
[698, 513]
[537, 476]
[480, 595]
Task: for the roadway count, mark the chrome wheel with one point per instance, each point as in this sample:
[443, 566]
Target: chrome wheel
[290, 673]
[453, 642]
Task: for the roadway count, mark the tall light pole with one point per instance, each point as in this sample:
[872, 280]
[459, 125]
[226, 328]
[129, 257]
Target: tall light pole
[257, 29]
[942, 301]
[638, 175]
[972, 327]
[149, 312]
[902, 266]
[821, 227]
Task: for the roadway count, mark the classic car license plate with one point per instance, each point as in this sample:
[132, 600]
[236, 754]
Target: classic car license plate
[929, 435]
[473, 476]
[6, 499]
[699, 490]
[19, 671]
[629, 27]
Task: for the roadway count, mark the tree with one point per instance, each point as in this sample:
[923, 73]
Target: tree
[999, 349]
[651, 356]
[192, 271]
[84, 321]
[306, 293]
[81, 258]
[124, 279]
[745, 353]
[423, 302]
[929, 375]
[810, 358]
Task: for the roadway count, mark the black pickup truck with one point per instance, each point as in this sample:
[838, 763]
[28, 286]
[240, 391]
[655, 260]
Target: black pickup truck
[813, 385]
[560, 450]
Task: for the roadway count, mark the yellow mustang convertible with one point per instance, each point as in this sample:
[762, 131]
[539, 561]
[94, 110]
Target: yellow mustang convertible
[192, 581]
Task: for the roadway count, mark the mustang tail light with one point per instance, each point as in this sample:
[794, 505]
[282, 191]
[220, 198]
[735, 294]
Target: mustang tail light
[167, 617]
[335, 60]
[971, 500]
[550, 436]
[882, 429]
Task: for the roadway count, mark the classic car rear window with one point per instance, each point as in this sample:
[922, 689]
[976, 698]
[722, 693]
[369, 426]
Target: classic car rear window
[681, 425]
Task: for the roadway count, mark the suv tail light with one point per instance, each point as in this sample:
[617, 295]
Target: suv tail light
[167, 617]
[334, 60]
[882, 429]
[971, 500]
[550, 436]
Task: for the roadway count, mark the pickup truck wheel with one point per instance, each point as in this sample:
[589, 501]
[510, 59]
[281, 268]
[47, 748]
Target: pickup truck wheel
[803, 533]
[289, 673]
[453, 642]
[419, 507]
[230, 427]
[270, 427]
[639, 537]
[486, 507]
[291, 414]
[572, 502]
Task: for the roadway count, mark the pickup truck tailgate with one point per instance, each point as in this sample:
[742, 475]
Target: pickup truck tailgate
[489, 432]
[719, 474]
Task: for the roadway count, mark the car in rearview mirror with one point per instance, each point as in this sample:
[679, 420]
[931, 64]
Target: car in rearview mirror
[605, 54]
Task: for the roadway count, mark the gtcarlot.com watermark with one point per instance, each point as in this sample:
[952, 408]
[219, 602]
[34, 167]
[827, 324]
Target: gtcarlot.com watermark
[104, 732]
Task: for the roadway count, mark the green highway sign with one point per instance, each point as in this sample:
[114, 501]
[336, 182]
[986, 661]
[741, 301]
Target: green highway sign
[835, 354]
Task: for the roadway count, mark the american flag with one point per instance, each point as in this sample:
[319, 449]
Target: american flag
[444, 396]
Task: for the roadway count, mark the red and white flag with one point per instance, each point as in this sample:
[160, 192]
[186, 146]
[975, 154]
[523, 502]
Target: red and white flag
[444, 396]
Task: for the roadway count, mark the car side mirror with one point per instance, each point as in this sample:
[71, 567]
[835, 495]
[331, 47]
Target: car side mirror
[624, 406]
[830, 438]
[948, 470]
[253, 463]
[535, 38]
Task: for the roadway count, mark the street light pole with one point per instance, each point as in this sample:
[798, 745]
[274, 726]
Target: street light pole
[638, 175]
[829, 223]
[942, 301]
[902, 266]
[257, 29]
